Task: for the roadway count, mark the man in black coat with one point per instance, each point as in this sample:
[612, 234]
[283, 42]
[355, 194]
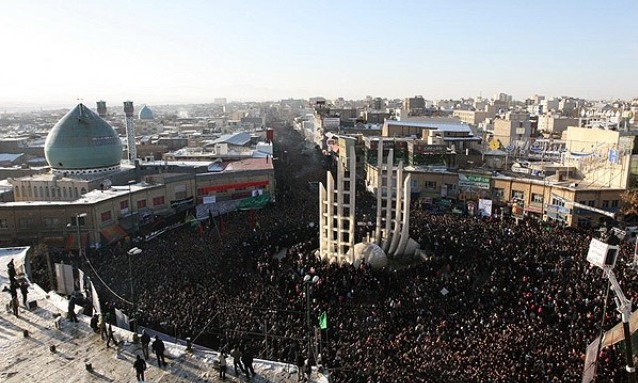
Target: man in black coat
[24, 289]
[145, 339]
[158, 347]
[140, 367]
[247, 360]
[94, 321]
[71, 314]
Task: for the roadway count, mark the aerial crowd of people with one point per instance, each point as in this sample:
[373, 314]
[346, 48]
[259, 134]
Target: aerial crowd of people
[491, 301]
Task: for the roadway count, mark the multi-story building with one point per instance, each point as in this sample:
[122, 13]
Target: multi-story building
[555, 125]
[88, 184]
[510, 131]
[414, 105]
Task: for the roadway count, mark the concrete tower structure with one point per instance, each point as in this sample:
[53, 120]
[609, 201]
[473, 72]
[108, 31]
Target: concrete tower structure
[336, 212]
[393, 207]
[131, 150]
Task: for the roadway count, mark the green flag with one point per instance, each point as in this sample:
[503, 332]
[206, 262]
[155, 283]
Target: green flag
[323, 321]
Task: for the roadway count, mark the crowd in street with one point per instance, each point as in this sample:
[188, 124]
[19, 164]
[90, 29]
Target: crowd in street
[493, 301]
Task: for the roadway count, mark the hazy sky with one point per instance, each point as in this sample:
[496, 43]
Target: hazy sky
[56, 51]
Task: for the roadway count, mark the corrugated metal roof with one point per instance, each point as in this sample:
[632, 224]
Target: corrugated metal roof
[9, 157]
[452, 126]
[239, 139]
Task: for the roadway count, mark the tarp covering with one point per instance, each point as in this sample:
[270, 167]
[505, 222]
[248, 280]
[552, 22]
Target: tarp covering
[71, 242]
[111, 234]
[616, 334]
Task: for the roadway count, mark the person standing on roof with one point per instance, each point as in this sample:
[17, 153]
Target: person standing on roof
[222, 366]
[158, 347]
[24, 289]
[140, 367]
[145, 339]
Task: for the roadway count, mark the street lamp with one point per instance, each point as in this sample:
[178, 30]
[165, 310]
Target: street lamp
[130, 202]
[308, 282]
[132, 252]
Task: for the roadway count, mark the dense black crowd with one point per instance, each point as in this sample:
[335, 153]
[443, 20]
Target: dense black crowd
[522, 303]
[492, 302]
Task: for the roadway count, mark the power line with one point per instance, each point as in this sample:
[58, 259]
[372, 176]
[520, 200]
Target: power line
[104, 283]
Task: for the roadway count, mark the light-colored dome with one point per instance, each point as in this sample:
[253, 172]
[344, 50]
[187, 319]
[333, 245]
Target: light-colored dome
[145, 113]
[82, 140]
[371, 254]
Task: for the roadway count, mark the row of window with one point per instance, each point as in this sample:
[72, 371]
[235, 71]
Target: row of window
[141, 204]
[538, 198]
[55, 222]
[42, 192]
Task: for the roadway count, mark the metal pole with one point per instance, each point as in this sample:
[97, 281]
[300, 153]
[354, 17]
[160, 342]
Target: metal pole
[308, 318]
[624, 307]
[631, 369]
[77, 262]
[130, 278]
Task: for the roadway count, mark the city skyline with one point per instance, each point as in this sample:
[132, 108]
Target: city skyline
[57, 52]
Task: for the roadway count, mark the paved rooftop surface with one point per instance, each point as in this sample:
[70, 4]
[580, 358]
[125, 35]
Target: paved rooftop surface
[29, 359]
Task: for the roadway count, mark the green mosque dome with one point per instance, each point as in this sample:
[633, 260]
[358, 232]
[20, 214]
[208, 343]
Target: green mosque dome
[82, 140]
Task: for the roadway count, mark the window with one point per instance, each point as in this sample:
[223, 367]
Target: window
[430, 184]
[517, 194]
[591, 203]
[158, 201]
[605, 203]
[4, 224]
[141, 204]
[25, 223]
[614, 203]
[123, 204]
[51, 223]
[498, 193]
[73, 221]
[537, 198]
[105, 216]
[558, 202]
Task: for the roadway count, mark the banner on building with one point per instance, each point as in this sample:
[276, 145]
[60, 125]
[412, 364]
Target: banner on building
[518, 208]
[485, 207]
[209, 199]
[183, 203]
[474, 181]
